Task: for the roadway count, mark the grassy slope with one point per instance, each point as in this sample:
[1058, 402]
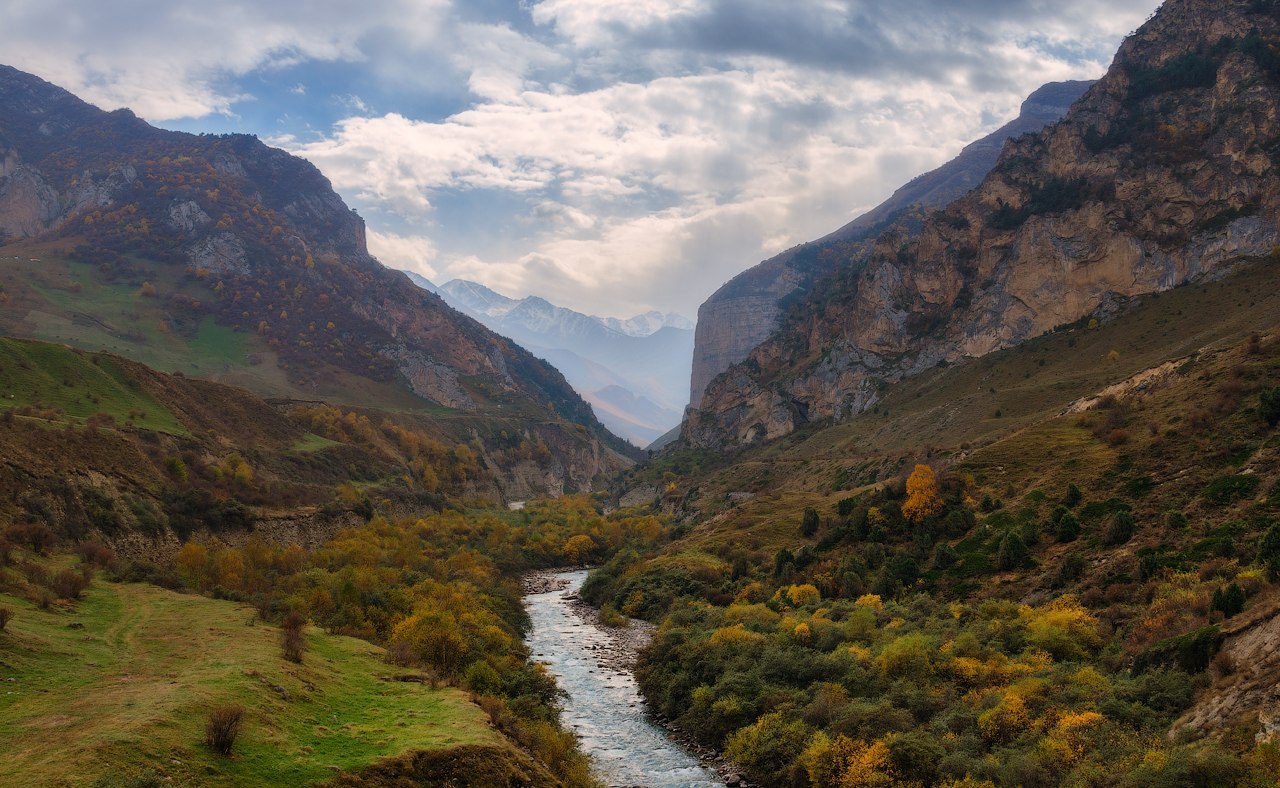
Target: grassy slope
[38, 373]
[128, 695]
[50, 297]
[950, 413]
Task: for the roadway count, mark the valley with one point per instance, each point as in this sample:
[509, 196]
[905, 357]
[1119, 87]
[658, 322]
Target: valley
[980, 490]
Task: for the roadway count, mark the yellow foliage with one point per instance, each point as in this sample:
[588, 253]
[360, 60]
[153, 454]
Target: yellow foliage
[803, 595]
[872, 601]
[736, 635]
[1005, 720]
[1063, 627]
[846, 763]
[923, 499]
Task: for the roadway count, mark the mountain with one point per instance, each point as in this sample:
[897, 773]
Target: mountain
[1161, 174]
[218, 255]
[646, 357]
[422, 281]
[747, 310]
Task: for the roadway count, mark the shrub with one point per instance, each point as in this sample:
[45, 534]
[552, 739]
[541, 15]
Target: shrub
[768, 747]
[292, 641]
[809, 525]
[1072, 568]
[1229, 489]
[36, 536]
[1269, 407]
[223, 727]
[1068, 529]
[1073, 497]
[1229, 600]
[1269, 551]
[945, 557]
[68, 584]
[1122, 528]
[6, 551]
[6, 615]
[1013, 552]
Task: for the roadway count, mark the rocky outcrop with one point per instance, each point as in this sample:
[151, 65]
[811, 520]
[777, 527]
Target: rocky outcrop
[1159, 175]
[747, 310]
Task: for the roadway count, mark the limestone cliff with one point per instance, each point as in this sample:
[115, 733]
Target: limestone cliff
[747, 310]
[1162, 173]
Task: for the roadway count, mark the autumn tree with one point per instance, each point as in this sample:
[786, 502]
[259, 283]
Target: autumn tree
[578, 548]
[923, 499]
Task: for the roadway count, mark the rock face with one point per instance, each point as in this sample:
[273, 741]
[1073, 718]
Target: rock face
[1160, 174]
[747, 310]
[286, 257]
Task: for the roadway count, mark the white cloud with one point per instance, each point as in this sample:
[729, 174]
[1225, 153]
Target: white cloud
[609, 156]
[405, 252]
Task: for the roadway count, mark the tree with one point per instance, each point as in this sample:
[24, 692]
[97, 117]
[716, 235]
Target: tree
[1013, 552]
[809, 525]
[1229, 600]
[923, 500]
[579, 548]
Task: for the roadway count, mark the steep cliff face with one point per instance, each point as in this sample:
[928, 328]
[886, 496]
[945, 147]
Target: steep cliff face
[1160, 174]
[283, 256]
[748, 309]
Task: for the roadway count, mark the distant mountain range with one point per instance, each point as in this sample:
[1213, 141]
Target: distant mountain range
[633, 372]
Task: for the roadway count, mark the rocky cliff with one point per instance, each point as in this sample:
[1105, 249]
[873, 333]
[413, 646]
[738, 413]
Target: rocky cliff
[283, 257]
[1160, 174]
[747, 310]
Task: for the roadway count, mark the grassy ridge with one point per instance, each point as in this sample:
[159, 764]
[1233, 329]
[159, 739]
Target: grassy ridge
[124, 682]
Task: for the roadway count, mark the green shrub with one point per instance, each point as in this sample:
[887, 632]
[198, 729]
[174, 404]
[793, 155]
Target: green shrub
[1229, 600]
[1269, 406]
[1068, 529]
[1013, 552]
[1073, 497]
[1121, 529]
[1229, 489]
[810, 523]
[1269, 551]
[1072, 568]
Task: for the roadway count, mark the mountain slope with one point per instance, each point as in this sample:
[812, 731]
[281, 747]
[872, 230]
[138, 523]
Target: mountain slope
[647, 355]
[223, 231]
[1158, 175]
[747, 309]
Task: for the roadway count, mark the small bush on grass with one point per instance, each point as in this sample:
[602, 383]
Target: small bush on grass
[223, 727]
[6, 615]
[292, 642]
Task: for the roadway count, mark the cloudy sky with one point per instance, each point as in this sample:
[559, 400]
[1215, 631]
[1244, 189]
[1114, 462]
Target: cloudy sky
[609, 155]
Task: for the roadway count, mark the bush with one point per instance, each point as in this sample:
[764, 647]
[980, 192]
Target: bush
[292, 641]
[1269, 407]
[36, 536]
[223, 727]
[1068, 529]
[1229, 489]
[68, 584]
[1072, 568]
[1229, 600]
[1122, 528]
[1269, 551]
[1013, 552]
[1073, 497]
[809, 525]
[6, 615]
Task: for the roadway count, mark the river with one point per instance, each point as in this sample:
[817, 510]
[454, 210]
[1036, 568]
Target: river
[604, 707]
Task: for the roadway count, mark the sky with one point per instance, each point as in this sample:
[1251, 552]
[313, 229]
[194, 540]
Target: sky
[610, 156]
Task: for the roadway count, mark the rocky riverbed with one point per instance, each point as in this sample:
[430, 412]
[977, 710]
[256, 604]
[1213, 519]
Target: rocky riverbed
[594, 664]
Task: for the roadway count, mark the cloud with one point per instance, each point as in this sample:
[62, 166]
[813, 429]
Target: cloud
[609, 156]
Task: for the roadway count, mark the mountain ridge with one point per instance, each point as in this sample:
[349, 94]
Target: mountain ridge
[747, 309]
[1155, 177]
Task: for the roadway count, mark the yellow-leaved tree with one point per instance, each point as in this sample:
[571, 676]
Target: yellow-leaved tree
[923, 499]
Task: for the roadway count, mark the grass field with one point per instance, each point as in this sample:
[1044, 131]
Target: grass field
[119, 688]
[77, 383]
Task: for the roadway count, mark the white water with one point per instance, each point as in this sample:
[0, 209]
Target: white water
[604, 707]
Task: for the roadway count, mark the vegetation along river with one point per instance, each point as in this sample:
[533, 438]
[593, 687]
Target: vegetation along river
[604, 707]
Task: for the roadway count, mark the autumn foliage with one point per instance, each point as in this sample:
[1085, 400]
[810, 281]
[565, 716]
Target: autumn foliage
[923, 499]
